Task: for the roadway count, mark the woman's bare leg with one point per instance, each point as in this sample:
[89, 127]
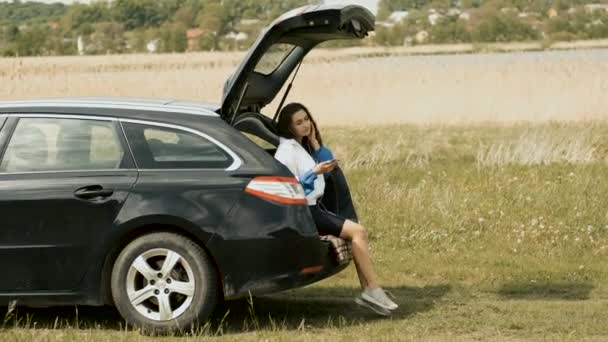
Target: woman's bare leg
[357, 234]
[360, 275]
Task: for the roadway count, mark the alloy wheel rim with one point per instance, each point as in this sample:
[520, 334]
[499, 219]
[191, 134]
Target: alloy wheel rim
[160, 284]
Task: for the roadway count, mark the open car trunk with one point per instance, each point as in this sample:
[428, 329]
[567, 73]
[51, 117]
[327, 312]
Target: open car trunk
[281, 47]
[275, 55]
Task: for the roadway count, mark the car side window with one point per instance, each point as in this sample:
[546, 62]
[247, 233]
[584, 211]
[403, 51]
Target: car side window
[55, 144]
[160, 147]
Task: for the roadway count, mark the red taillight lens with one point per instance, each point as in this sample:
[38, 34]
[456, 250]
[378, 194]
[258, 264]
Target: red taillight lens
[286, 190]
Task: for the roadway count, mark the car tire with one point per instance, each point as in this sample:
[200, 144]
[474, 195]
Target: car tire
[157, 303]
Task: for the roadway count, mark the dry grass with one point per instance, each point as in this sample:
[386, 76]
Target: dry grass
[514, 251]
[343, 89]
[484, 230]
[540, 147]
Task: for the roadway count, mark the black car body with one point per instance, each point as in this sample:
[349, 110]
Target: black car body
[83, 180]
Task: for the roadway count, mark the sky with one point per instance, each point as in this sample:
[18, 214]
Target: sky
[371, 4]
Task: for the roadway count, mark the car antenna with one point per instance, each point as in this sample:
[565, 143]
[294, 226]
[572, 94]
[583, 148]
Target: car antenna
[274, 119]
[238, 104]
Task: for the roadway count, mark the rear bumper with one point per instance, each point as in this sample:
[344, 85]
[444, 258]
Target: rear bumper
[299, 277]
[265, 247]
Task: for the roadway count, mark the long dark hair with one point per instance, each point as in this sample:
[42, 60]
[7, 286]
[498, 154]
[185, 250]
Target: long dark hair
[285, 118]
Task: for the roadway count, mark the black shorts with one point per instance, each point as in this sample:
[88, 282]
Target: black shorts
[327, 223]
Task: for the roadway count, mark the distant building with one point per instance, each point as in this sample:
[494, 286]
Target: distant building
[509, 10]
[590, 8]
[384, 24]
[464, 16]
[194, 33]
[398, 16]
[596, 22]
[249, 22]
[238, 36]
[80, 45]
[422, 37]
[528, 14]
[193, 36]
[454, 12]
[153, 45]
[434, 18]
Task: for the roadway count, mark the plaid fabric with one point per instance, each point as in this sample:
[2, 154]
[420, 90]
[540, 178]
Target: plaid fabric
[342, 249]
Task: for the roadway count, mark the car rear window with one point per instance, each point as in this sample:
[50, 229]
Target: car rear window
[55, 144]
[273, 58]
[160, 147]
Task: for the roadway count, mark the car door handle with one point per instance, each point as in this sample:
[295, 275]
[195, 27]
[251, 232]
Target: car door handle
[94, 191]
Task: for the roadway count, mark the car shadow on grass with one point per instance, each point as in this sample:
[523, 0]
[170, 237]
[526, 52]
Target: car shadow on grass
[316, 307]
[319, 307]
[546, 290]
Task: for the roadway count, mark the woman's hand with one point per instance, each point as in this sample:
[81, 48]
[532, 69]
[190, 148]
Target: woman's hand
[312, 138]
[325, 167]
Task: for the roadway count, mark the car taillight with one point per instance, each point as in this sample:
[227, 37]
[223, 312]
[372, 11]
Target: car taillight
[286, 190]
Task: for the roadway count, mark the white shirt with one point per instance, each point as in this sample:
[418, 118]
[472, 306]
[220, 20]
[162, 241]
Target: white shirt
[291, 154]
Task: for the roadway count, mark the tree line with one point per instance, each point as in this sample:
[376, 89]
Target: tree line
[120, 26]
[30, 28]
[487, 21]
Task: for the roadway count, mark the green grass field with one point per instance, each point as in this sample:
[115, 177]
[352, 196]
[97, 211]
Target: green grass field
[482, 232]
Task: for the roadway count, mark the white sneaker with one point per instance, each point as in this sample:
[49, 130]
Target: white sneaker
[378, 296]
[375, 308]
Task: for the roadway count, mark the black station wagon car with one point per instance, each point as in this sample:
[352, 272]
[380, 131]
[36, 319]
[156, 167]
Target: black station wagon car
[163, 207]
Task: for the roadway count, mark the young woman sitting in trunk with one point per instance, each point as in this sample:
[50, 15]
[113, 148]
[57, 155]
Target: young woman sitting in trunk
[302, 151]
